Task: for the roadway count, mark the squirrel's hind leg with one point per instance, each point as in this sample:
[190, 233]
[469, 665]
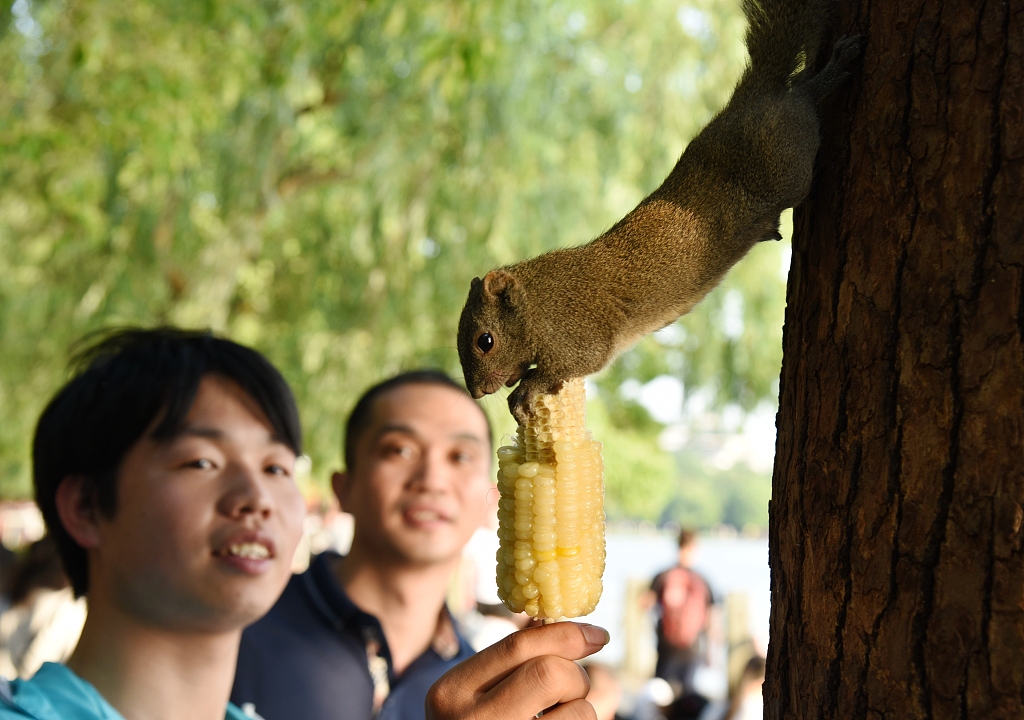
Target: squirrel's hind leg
[844, 52]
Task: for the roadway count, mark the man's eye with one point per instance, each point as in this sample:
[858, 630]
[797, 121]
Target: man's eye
[276, 469]
[201, 464]
[462, 457]
[398, 449]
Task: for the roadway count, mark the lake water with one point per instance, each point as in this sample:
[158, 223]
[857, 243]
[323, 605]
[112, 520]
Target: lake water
[728, 564]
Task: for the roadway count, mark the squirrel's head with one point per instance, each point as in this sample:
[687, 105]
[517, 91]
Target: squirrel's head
[493, 345]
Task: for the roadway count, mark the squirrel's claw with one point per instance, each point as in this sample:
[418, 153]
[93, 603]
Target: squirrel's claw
[844, 53]
[521, 400]
[520, 403]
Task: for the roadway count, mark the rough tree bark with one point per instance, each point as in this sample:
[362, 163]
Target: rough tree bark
[897, 547]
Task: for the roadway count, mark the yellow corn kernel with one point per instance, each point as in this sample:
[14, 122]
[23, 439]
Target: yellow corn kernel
[551, 512]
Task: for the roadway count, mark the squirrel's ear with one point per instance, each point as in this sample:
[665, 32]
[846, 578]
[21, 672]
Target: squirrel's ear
[499, 283]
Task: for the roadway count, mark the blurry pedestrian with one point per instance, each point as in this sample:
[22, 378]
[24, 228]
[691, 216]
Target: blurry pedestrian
[367, 634]
[745, 701]
[684, 603]
[44, 620]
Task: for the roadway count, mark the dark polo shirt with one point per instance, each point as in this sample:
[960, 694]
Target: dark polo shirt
[307, 658]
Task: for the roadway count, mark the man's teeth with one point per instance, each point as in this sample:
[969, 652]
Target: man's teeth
[250, 551]
[425, 515]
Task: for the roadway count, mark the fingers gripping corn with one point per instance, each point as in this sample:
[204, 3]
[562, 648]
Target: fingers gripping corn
[551, 512]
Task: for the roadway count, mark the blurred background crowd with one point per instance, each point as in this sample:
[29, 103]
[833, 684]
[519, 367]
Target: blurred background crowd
[321, 180]
[711, 671]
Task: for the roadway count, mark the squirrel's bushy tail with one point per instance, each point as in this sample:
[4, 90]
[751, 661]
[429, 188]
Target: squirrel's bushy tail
[783, 35]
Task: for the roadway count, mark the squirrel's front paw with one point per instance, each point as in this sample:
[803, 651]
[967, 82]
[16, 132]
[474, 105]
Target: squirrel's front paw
[520, 402]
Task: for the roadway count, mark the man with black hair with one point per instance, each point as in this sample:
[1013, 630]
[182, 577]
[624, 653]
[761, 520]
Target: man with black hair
[164, 472]
[367, 634]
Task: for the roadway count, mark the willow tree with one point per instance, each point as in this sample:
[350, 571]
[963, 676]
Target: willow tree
[322, 180]
[897, 548]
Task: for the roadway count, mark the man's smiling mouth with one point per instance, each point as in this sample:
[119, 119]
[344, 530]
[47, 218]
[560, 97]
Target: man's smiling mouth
[425, 516]
[249, 551]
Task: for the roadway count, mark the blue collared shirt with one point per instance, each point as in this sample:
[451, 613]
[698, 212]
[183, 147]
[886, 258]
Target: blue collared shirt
[56, 693]
[307, 658]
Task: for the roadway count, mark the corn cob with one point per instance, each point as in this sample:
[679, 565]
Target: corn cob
[551, 512]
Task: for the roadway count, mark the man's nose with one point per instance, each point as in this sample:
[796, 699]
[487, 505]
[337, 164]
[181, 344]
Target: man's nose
[247, 493]
[431, 473]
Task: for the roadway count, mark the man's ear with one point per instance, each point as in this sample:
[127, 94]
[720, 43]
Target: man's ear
[77, 511]
[502, 284]
[340, 485]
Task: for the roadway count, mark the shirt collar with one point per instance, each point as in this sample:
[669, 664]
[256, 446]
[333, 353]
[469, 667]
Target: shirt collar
[335, 604]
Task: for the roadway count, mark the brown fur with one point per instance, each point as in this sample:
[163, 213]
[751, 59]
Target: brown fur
[569, 312]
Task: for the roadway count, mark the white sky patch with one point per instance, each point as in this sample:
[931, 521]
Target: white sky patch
[754, 444]
[724, 438]
[597, 65]
[786, 251]
[662, 397]
[785, 262]
[206, 200]
[759, 430]
[673, 334]
[576, 22]
[694, 21]
[732, 314]
[732, 418]
[24, 23]
[429, 247]
[35, 44]
[630, 388]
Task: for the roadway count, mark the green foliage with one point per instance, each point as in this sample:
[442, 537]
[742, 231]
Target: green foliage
[322, 180]
[705, 496]
[639, 476]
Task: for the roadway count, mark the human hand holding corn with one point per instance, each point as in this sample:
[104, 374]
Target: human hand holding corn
[529, 672]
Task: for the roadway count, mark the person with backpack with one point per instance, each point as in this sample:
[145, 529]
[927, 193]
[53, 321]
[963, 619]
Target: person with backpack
[684, 602]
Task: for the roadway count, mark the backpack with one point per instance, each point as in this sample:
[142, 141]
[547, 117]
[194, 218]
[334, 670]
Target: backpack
[684, 606]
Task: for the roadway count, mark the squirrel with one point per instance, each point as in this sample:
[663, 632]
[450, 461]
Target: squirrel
[569, 312]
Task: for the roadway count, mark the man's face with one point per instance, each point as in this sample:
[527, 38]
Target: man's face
[420, 475]
[206, 523]
[687, 554]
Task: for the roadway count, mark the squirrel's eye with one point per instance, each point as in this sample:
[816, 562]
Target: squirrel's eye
[485, 342]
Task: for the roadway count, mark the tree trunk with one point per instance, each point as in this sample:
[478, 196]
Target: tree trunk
[897, 549]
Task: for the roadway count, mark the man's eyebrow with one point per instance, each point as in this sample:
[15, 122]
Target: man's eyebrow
[406, 430]
[212, 433]
[394, 427]
[200, 431]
